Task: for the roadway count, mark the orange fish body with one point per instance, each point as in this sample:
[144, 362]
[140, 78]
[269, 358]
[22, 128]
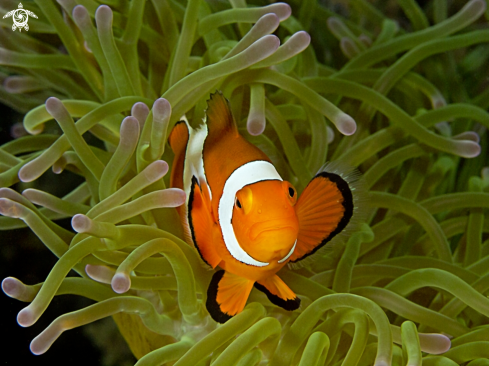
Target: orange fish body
[242, 217]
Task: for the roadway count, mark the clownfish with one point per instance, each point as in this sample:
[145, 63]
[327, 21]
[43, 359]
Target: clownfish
[242, 217]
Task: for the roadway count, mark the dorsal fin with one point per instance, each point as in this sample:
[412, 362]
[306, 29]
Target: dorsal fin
[219, 120]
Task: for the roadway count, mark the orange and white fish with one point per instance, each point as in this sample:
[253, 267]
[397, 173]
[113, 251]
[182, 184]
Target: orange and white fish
[243, 217]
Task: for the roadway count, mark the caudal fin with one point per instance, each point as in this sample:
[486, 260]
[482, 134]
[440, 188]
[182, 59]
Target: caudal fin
[178, 141]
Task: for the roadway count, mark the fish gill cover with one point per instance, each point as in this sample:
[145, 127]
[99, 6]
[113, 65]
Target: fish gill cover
[398, 89]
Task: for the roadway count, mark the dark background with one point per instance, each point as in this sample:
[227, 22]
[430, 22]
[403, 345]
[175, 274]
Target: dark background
[24, 256]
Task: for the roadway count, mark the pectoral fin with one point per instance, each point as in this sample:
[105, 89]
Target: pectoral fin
[227, 295]
[324, 209]
[279, 293]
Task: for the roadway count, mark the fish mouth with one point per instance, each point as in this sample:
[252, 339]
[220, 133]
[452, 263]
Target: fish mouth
[268, 227]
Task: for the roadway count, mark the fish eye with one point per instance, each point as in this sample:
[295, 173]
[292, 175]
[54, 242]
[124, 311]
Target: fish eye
[291, 192]
[243, 200]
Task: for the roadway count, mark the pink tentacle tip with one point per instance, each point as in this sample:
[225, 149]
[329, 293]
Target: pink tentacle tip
[468, 135]
[81, 223]
[255, 126]
[18, 130]
[5, 206]
[267, 45]
[434, 344]
[121, 283]
[161, 109]
[366, 40]
[44, 341]
[37, 347]
[140, 111]
[59, 166]
[54, 106]
[80, 15]
[26, 317]
[477, 7]
[27, 172]
[438, 102]
[13, 84]
[283, 10]
[129, 122]
[156, 170]
[345, 124]
[6, 192]
[100, 274]
[348, 47]
[173, 197]
[303, 38]
[9, 208]
[103, 16]
[129, 131]
[12, 287]
[30, 194]
[333, 23]
[269, 21]
[467, 148]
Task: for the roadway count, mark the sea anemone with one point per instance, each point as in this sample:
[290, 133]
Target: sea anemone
[402, 94]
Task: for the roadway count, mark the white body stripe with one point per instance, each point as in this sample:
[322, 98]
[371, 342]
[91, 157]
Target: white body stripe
[249, 173]
[194, 162]
[193, 165]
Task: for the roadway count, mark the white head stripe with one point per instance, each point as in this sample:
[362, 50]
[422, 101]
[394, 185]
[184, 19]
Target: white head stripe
[288, 255]
[249, 173]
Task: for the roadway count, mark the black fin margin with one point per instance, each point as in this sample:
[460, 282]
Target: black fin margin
[211, 303]
[217, 94]
[290, 304]
[195, 182]
[219, 120]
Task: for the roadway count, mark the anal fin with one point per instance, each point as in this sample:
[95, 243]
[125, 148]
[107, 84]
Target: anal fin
[201, 223]
[278, 293]
[227, 295]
